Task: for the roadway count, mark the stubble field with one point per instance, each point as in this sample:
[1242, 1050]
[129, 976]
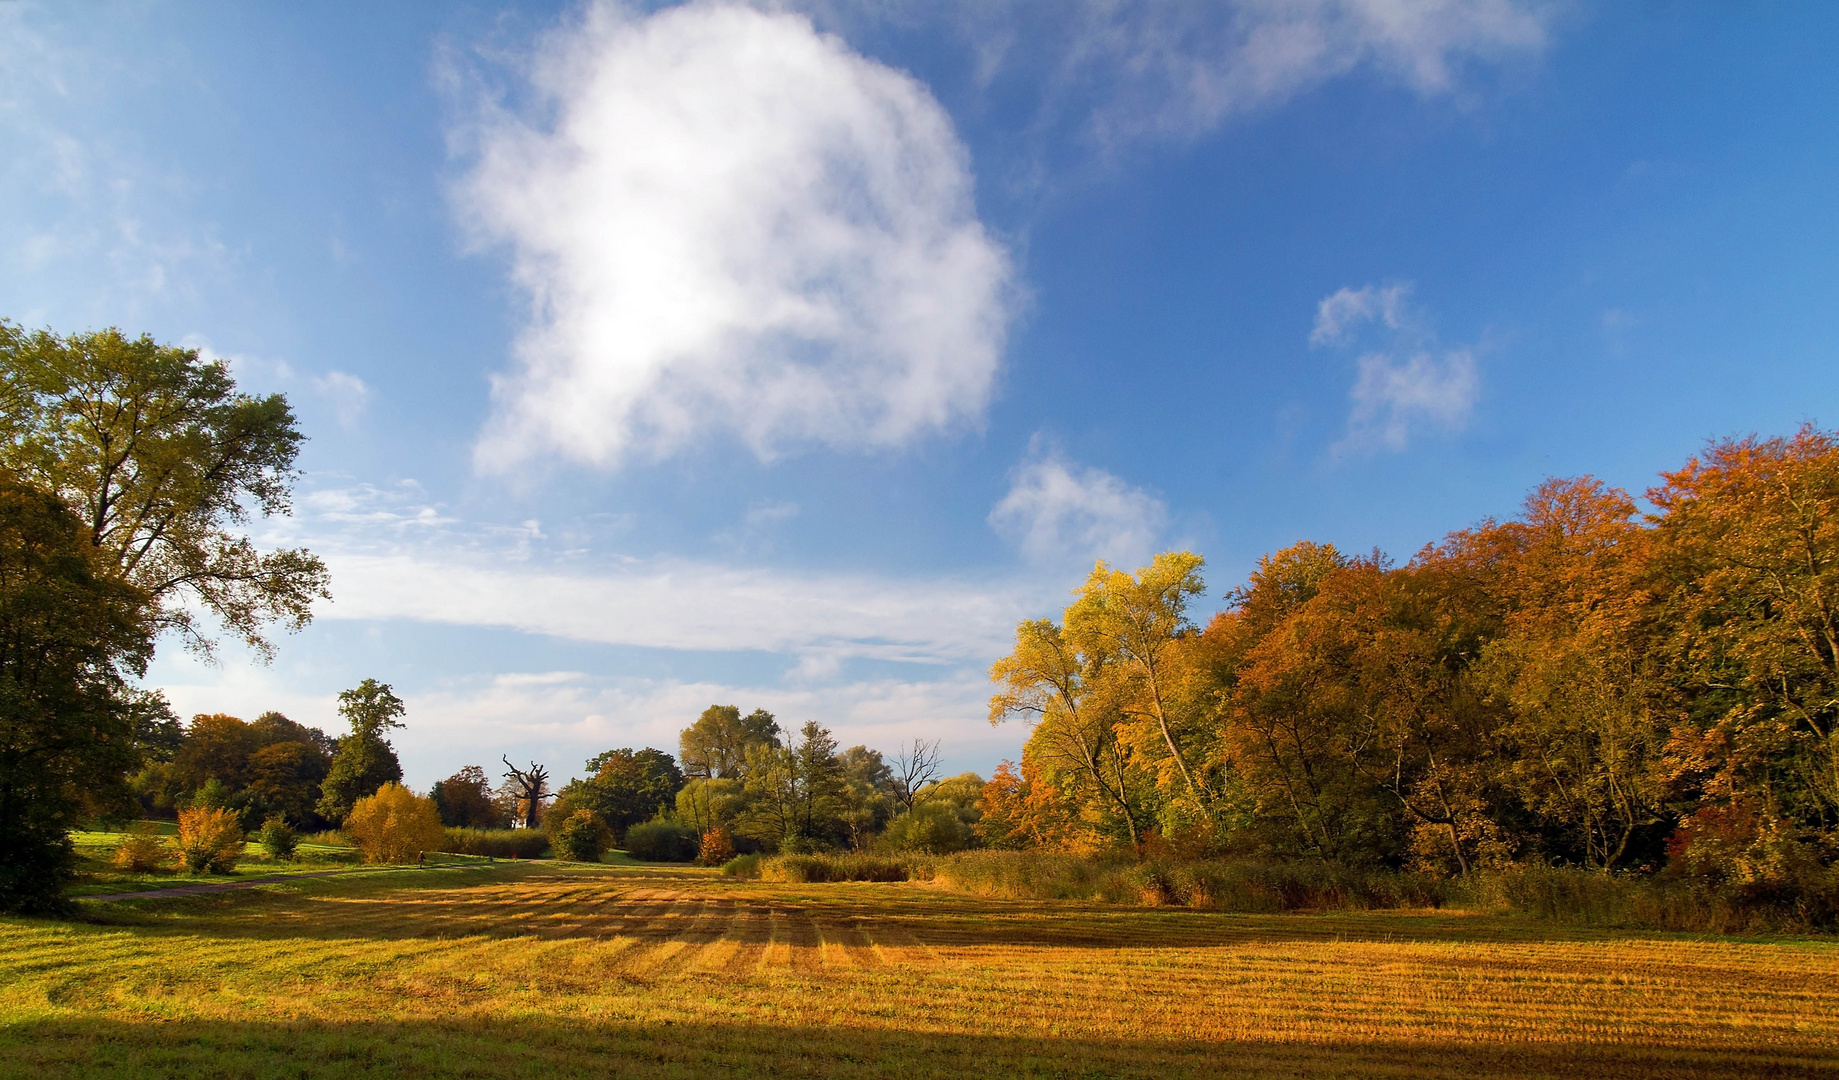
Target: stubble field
[537, 971]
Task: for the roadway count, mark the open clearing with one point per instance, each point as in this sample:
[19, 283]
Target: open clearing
[539, 971]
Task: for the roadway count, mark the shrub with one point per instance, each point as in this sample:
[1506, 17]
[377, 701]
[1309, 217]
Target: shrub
[932, 828]
[742, 866]
[210, 840]
[582, 837]
[497, 843]
[717, 847]
[278, 838]
[802, 869]
[142, 850]
[662, 841]
[395, 825]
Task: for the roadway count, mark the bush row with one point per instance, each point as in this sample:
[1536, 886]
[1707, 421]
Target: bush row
[810, 868]
[498, 843]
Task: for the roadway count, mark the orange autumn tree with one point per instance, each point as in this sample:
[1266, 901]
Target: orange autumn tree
[1748, 538]
[1585, 684]
[1576, 666]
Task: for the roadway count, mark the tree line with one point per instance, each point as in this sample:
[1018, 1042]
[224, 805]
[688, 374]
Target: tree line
[739, 785]
[1591, 683]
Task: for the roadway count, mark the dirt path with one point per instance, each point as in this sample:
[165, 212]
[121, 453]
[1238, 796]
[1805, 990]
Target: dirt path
[229, 886]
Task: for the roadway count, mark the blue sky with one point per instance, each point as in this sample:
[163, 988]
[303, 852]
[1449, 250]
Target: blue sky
[787, 355]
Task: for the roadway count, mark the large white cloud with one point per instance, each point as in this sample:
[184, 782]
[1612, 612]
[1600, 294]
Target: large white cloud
[729, 222]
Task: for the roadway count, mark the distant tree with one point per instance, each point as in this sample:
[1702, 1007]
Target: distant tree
[529, 792]
[716, 745]
[269, 766]
[71, 632]
[794, 792]
[715, 848]
[163, 459]
[913, 768]
[216, 745]
[365, 760]
[625, 788]
[866, 798]
[710, 804]
[465, 800]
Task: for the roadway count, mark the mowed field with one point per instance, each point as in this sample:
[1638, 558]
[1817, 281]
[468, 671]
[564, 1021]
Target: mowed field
[535, 971]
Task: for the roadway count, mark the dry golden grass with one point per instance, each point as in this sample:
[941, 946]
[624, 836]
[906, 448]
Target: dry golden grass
[537, 971]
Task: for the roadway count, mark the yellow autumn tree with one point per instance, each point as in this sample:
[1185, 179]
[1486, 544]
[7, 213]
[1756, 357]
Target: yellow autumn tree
[395, 825]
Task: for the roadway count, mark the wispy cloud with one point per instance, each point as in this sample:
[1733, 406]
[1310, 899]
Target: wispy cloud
[1407, 385]
[96, 225]
[1393, 398]
[349, 395]
[1056, 510]
[728, 223]
[1343, 312]
[562, 718]
[1174, 69]
[393, 555]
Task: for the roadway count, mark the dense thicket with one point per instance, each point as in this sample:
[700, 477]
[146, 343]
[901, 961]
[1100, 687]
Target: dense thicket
[1587, 684]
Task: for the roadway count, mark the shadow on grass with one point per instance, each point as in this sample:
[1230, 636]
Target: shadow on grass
[583, 902]
[559, 1048]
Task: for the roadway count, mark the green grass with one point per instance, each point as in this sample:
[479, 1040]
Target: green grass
[660, 971]
[96, 876]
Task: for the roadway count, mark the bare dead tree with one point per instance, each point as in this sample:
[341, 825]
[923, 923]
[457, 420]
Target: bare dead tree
[913, 769]
[530, 787]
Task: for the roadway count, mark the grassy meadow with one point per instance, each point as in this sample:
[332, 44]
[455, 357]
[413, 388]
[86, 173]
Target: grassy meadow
[97, 876]
[536, 969]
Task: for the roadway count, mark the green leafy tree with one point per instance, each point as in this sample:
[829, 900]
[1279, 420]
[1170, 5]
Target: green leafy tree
[795, 792]
[365, 760]
[164, 460]
[716, 745]
[71, 632]
[710, 804]
[626, 787]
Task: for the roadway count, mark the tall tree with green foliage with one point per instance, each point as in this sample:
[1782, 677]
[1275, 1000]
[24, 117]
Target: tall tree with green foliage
[365, 760]
[164, 460]
[625, 788]
[716, 745]
[71, 633]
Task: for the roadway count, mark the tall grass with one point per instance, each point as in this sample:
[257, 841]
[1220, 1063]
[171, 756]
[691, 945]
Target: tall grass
[498, 843]
[811, 868]
[1217, 886]
[1653, 901]
[1564, 895]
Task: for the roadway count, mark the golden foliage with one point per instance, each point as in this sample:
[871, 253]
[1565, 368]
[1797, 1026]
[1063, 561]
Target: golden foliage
[210, 840]
[395, 825]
